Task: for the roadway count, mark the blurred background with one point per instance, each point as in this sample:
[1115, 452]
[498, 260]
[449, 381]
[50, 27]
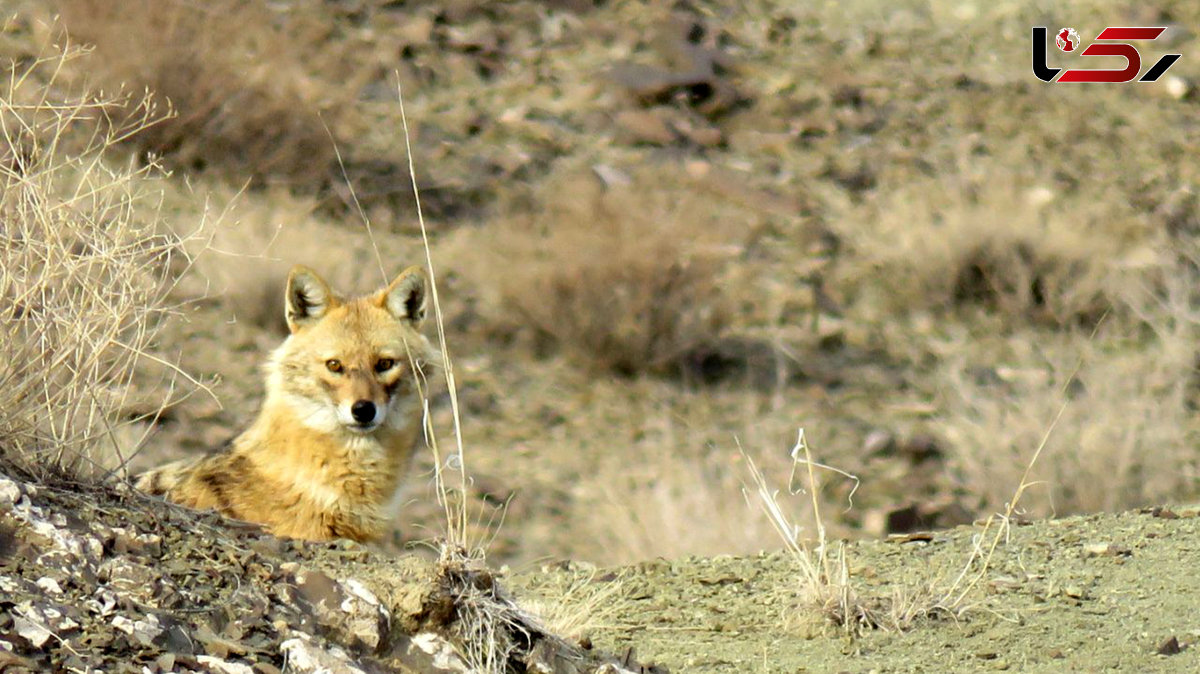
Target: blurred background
[670, 233]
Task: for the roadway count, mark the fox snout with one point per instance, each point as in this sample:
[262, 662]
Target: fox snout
[363, 411]
[362, 414]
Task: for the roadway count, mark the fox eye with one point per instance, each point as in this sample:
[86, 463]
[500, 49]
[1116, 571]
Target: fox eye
[334, 365]
[384, 364]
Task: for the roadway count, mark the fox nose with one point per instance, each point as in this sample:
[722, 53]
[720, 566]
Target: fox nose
[363, 411]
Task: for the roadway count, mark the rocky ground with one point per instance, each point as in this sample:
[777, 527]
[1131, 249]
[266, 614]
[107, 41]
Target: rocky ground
[95, 580]
[865, 219]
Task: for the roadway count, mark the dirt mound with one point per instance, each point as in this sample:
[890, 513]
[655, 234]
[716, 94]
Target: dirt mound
[1080, 594]
[103, 580]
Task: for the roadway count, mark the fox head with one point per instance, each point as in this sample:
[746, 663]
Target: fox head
[351, 364]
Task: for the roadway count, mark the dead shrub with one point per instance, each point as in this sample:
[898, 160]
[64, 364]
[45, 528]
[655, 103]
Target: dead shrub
[1015, 299]
[628, 279]
[1023, 252]
[250, 243]
[85, 268]
[1127, 434]
[236, 75]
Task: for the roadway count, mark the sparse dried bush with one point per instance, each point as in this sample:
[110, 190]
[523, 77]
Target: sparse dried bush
[237, 77]
[629, 279]
[1128, 430]
[85, 268]
[251, 243]
[1019, 300]
[1021, 251]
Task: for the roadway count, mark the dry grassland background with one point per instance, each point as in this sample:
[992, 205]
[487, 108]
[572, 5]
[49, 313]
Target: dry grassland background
[662, 231]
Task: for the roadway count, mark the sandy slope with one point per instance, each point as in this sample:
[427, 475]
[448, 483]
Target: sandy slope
[1081, 594]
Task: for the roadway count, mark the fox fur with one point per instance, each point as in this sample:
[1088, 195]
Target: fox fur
[338, 424]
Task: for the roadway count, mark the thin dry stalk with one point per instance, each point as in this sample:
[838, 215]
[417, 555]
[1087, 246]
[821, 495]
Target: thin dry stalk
[457, 519]
[490, 625]
[955, 598]
[824, 574]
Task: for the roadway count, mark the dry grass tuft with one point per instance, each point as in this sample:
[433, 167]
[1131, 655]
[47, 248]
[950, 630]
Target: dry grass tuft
[85, 269]
[583, 607]
[827, 589]
[824, 575]
[236, 75]
[628, 278]
[494, 635]
[1018, 249]
[1129, 389]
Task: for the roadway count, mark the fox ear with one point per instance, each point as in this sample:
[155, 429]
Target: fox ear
[308, 298]
[405, 297]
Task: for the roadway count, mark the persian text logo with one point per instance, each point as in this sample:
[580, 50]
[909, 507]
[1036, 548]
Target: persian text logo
[1067, 40]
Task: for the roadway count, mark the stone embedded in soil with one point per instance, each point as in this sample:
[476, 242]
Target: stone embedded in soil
[1169, 647]
[92, 581]
[1106, 550]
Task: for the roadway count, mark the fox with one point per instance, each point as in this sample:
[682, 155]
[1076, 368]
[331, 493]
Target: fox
[339, 422]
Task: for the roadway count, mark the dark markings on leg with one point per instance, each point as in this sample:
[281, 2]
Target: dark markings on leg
[217, 484]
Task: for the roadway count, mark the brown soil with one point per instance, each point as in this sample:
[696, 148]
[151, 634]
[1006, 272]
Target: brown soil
[872, 221]
[1079, 594]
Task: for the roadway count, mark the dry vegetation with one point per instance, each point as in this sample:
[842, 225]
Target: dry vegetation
[235, 76]
[623, 309]
[621, 278]
[86, 266]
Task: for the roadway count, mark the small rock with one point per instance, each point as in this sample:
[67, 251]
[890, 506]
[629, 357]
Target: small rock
[50, 585]
[223, 666]
[1169, 647]
[643, 126]
[1177, 87]
[305, 657]
[1106, 550]
[10, 494]
[31, 631]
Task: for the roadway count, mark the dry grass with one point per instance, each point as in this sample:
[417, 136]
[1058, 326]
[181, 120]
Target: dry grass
[828, 593]
[1128, 436]
[251, 241]
[85, 269]
[1002, 294]
[583, 607]
[671, 501]
[989, 239]
[238, 77]
[628, 278]
[823, 573]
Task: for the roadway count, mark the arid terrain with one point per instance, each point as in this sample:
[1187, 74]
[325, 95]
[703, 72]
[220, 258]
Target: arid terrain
[666, 238]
